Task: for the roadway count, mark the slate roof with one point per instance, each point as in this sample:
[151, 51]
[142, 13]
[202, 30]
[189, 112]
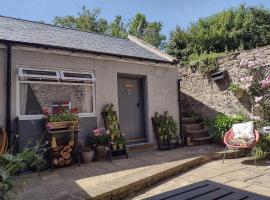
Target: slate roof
[25, 31]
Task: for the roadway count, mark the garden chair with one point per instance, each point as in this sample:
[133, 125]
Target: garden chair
[234, 143]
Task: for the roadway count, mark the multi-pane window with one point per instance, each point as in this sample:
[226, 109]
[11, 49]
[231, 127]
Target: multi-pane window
[39, 92]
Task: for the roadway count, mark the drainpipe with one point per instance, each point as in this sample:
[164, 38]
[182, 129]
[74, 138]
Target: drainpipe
[8, 93]
[183, 141]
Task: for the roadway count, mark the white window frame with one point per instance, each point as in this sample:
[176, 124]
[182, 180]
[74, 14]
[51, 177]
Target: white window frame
[63, 77]
[21, 74]
[40, 116]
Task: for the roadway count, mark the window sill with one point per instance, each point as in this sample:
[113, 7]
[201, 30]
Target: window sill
[38, 117]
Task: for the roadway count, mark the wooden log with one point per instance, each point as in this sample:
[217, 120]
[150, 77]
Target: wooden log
[71, 143]
[55, 161]
[66, 155]
[61, 161]
[68, 162]
[66, 147]
[58, 148]
[56, 154]
[69, 150]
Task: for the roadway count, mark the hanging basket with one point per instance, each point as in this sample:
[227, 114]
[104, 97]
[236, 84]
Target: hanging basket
[62, 125]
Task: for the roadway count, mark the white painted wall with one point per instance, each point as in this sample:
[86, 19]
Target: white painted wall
[161, 81]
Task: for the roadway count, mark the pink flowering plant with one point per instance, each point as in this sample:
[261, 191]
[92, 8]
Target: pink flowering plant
[99, 137]
[257, 84]
[61, 114]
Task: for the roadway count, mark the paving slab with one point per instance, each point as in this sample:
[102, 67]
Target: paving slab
[234, 173]
[141, 170]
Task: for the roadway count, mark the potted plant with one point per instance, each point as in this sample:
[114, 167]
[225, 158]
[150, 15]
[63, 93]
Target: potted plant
[237, 90]
[100, 140]
[114, 146]
[61, 118]
[87, 154]
[121, 142]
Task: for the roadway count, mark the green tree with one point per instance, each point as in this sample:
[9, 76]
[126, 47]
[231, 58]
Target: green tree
[229, 30]
[117, 28]
[147, 31]
[87, 20]
[90, 20]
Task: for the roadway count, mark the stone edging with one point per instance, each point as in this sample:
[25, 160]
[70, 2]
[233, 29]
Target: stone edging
[132, 183]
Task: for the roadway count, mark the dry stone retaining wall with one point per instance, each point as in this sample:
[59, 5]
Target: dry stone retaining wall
[201, 95]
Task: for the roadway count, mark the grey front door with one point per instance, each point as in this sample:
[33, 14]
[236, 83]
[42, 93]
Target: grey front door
[130, 101]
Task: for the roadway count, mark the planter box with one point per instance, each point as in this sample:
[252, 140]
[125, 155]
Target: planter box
[63, 125]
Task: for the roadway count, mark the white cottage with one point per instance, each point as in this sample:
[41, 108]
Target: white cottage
[43, 65]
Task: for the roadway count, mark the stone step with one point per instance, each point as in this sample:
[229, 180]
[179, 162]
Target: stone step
[189, 120]
[192, 127]
[202, 140]
[140, 147]
[115, 187]
[198, 134]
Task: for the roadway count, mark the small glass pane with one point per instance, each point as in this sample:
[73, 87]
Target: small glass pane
[39, 73]
[75, 75]
[34, 97]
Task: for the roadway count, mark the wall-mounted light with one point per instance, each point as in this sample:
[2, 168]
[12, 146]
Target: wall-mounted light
[217, 76]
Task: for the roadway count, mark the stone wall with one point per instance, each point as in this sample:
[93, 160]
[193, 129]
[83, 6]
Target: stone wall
[201, 95]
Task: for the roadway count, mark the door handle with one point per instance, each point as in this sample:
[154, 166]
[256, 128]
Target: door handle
[138, 104]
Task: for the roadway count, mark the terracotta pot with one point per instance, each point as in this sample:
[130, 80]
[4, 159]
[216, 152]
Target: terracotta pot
[114, 146]
[87, 156]
[120, 146]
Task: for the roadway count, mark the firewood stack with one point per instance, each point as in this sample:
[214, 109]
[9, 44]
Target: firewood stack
[62, 154]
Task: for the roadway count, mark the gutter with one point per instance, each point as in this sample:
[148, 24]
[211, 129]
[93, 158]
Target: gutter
[183, 141]
[97, 53]
[8, 93]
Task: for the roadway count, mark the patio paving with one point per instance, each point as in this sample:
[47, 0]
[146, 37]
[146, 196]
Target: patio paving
[237, 173]
[141, 170]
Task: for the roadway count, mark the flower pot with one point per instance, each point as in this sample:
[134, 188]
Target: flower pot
[161, 137]
[87, 156]
[114, 146]
[112, 137]
[100, 153]
[174, 141]
[120, 146]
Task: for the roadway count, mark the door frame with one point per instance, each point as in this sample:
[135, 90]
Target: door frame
[143, 98]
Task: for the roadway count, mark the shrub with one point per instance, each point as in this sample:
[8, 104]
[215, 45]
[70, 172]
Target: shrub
[222, 124]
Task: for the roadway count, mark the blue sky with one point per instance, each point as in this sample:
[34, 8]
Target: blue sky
[170, 12]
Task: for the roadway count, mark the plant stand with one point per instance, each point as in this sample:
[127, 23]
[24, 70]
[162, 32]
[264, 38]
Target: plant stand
[110, 151]
[163, 144]
[74, 154]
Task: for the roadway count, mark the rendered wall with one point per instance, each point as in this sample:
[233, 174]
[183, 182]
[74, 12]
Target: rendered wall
[161, 82]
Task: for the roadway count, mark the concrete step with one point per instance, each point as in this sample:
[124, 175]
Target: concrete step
[198, 134]
[192, 127]
[120, 186]
[140, 147]
[190, 120]
[202, 140]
